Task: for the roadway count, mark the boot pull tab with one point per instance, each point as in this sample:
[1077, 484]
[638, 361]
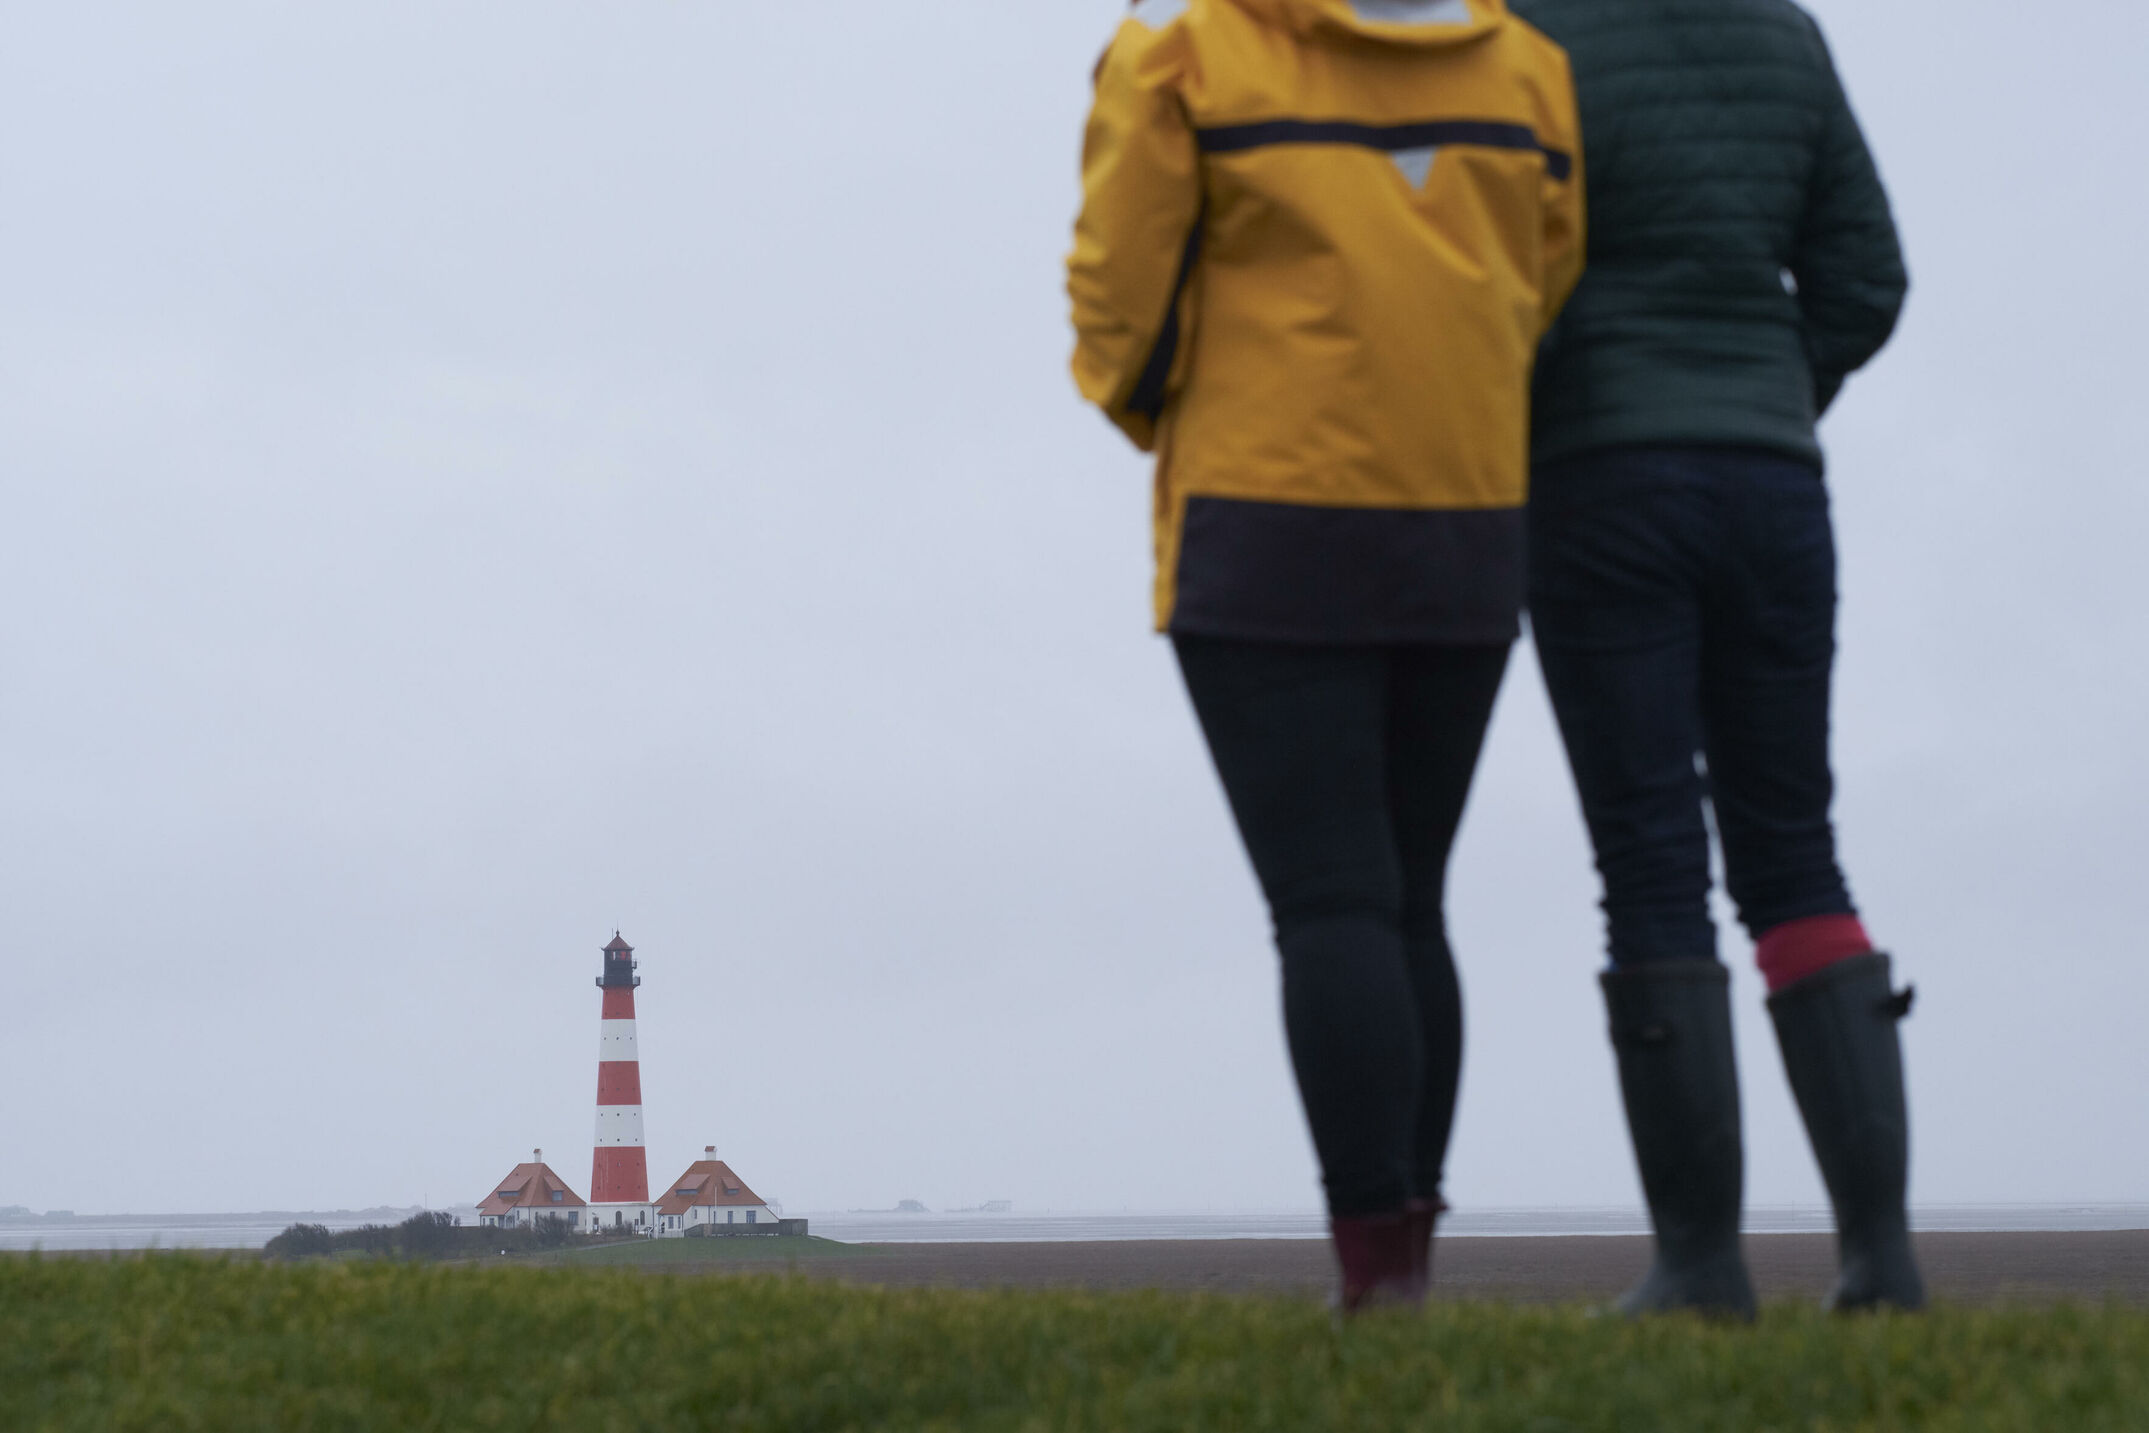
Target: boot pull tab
[1896, 1006]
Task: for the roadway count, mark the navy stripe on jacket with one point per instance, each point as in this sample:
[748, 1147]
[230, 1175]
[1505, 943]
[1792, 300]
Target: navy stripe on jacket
[1424, 134]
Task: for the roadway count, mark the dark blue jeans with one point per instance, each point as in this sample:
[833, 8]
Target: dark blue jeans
[1683, 603]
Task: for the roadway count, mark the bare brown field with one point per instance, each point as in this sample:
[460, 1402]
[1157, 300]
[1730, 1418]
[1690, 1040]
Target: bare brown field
[1977, 1269]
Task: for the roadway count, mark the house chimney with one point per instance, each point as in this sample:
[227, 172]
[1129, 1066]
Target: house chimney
[708, 1152]
[537, 1156]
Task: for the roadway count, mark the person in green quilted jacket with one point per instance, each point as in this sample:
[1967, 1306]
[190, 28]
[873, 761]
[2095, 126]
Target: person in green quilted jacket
[1742, 263]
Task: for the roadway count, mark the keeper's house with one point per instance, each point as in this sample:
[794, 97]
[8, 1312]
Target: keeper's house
[713, 1200]
[532, 1192]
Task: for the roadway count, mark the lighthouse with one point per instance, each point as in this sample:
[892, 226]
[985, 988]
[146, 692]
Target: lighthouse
[619, 1174]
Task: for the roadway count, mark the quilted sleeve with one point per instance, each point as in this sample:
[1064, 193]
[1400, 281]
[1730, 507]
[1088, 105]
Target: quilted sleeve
[1565, 202]
[1849, 263]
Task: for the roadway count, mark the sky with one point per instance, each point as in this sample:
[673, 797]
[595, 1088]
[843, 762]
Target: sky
[477, 476]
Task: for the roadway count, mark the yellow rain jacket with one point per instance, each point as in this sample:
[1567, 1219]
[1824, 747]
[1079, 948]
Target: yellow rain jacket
[1319, 241]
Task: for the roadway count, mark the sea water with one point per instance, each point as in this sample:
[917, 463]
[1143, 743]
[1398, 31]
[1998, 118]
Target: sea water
[251, 1231]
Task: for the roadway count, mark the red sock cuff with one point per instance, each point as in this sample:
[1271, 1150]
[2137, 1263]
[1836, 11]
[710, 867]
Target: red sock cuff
[1796, 949]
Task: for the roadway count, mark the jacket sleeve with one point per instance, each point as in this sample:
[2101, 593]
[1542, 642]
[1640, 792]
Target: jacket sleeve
[1848, 264]
[1137, 233]
[1565, 205]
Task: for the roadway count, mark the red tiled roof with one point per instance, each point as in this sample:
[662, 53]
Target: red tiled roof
[707, 1182]
[530, 1186]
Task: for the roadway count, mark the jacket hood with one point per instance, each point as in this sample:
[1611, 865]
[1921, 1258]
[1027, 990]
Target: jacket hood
[1399, 22]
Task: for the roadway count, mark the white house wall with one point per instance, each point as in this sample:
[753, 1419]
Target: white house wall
[705, 1214]
[601, 1215]
[523, 1214]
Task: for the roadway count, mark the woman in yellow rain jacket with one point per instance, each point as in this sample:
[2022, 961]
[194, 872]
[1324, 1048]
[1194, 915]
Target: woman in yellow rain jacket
[1319, 242]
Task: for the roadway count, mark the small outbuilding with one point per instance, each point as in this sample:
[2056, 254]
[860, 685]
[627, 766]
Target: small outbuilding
[532, 1192]
[709, 1196]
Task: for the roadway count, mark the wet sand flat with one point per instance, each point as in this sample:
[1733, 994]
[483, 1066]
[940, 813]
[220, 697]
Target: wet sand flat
[1960, 1268]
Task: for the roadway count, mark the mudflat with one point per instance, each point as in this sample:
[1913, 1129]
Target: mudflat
[1996, 1268]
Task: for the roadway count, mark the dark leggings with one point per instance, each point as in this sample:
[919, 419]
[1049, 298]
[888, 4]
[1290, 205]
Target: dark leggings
[1347, 769]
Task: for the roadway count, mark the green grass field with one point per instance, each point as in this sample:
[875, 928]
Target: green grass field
[180, 1341]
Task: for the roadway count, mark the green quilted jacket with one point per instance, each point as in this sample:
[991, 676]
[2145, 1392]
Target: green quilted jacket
[1742, 259]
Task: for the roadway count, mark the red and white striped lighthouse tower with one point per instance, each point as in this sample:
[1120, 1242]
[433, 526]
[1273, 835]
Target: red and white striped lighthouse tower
[619, 1175]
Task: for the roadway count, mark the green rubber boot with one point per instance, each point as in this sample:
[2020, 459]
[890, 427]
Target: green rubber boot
[1671, 1029]
[1837, 1032]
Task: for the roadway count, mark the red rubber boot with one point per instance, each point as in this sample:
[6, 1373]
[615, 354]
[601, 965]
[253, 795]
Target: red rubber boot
[1380, 1259]
[1423, 1214]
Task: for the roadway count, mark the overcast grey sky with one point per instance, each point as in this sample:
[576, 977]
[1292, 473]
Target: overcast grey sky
[476, 475]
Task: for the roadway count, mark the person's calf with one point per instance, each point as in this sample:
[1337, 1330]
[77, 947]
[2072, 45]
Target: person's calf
[1352, 1031]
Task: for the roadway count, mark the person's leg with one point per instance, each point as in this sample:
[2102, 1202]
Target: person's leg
[1768, 659]
[1769, 655]
[1299, 737]
[1619, 543]
[1442, 703]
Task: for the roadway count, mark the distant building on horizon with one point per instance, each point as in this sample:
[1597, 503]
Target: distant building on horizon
[709, 1198]
[709, 1194]
[531, 1192]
